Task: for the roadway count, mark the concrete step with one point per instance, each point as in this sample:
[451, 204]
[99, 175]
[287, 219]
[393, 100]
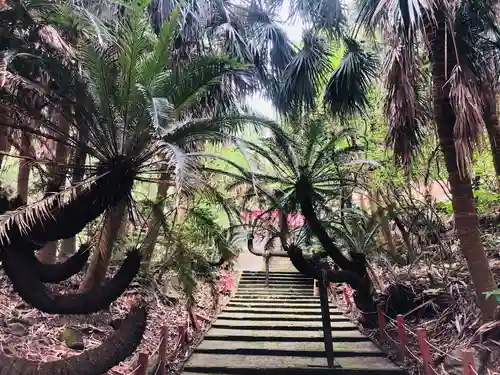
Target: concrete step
[313, 349]
[288, 371]
[276, 310]
[253, 324]
[307, 291]
[271, 294]
[273, 298]
[275, 360]
[275, 285]
[256, 279]
[230, 334]
[279, 317]
[255, 305]
[272, 273]
[220, 334]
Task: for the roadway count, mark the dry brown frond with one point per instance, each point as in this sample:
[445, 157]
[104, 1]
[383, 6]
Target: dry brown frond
[51, 37]
[405, 109]
[466, 100]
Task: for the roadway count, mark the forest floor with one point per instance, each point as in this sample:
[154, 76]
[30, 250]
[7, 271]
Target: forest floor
[448, 312]
[28, 333]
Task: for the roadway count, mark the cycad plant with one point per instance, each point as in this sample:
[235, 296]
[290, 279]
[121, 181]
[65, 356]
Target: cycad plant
[310, 171]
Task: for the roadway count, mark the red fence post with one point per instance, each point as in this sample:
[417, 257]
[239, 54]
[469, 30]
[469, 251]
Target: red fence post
[194, 321]
[142, 364]
[163, 351]
[425, 351]
[468, 362]
[347, 298]
[381, 323]
[182, 336]
[402, 336]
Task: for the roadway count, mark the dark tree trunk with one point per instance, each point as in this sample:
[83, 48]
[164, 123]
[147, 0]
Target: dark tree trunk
[23, 176]
[492, 126]
[354, 270]
[107, 236]
[466, 219]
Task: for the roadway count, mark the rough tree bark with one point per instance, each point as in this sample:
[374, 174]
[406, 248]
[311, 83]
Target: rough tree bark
[492, 125]
[466, 219]
[155, 221]
[106, 238]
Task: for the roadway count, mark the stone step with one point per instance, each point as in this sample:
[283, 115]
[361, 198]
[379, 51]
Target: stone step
[253, 324]
[231, 334]
[279, 317]
[245, 360]
[288, 371]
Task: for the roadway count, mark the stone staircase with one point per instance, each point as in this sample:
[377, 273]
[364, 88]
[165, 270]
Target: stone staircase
[278, 330]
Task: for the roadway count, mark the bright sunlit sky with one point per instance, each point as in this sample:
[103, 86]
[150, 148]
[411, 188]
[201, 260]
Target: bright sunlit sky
[294, 32]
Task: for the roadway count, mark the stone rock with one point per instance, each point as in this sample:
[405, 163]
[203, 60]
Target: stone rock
[172, 287]
[23, 306]
[72, 338]
[17, 329]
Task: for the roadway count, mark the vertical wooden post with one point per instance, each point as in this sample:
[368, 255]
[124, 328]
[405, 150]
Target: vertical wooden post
[425, 351]
[468, 361]
[381, 323]
[325, 318]
[142, 364]
[315, 288]
[162, 360]
[402, 336]
[267, 260]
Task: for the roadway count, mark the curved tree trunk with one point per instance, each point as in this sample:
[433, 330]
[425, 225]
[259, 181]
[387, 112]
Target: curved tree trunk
[354, 270]
[154, 223]
[466, 219]
[106, 238]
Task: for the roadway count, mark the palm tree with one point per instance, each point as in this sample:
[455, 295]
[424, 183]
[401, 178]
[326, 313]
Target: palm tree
[310, 171]
[460, 42]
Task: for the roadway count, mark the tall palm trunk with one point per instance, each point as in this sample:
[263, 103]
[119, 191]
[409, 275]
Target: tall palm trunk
[48, 253]
[466, 219]
[23, 176]
[154, 222]
[493, 127]
[106, 238]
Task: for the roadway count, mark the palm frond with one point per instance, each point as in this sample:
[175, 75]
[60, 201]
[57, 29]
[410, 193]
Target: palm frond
[304, 76]
[346, 93]
[405, 107]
